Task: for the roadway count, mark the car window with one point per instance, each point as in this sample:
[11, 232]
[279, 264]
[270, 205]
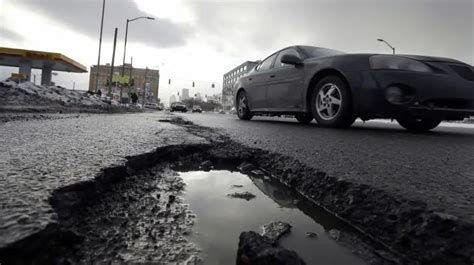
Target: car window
[265, 65]
[291, 51]
[316, 52]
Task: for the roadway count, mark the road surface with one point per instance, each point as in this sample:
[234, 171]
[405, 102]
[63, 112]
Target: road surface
[436, 168]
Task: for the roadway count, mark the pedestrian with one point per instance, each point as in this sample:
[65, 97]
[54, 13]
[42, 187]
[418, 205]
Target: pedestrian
[134, 97]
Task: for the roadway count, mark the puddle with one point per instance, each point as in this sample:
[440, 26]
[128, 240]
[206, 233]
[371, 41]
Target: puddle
[221, 219]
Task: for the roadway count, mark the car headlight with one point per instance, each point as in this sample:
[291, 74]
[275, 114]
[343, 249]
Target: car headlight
[398, 63]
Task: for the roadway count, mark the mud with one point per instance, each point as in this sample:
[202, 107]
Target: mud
[134, 213]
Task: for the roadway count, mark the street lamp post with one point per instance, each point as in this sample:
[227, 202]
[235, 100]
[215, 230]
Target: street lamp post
[100, 45]
[391, 47]
[126, 35]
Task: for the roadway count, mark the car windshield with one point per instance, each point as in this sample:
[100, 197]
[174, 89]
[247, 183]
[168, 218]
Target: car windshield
[315, 52]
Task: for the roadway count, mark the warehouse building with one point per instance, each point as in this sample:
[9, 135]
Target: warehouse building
[228, 92]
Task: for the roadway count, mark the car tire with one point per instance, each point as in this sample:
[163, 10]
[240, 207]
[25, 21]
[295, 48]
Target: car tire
[304, 118]
[243, 111]
[419, 125]
[331, 103]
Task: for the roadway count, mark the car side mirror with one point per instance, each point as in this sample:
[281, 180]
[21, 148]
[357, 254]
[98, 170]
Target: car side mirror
[291, 59]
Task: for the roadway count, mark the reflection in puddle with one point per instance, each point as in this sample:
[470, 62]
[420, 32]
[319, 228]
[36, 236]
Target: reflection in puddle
[221, 219]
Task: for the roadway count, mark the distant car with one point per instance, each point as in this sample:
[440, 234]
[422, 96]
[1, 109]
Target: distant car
[335, 88]
[197, 108]
[152, 106]
[178, 106]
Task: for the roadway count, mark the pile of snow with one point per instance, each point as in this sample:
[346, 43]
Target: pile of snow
[28, 93]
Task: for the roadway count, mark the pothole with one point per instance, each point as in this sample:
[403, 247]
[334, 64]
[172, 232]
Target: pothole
[179, 205]
[220, 218]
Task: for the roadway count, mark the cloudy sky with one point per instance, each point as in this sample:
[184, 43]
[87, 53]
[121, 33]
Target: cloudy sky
[202, 39]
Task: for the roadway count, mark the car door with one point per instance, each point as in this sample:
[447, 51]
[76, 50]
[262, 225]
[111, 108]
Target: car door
[257, 83]
[283, 91]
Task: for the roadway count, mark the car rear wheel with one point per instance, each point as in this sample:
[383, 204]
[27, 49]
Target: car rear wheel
[304, 118]
[243, 111]
[419, 125]
[331, 103]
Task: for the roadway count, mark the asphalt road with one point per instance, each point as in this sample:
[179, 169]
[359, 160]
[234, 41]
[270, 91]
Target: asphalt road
[39, 156]
[435, 167]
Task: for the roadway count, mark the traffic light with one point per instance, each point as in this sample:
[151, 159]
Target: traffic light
[169, 81]
[193, 83]
[213, 86]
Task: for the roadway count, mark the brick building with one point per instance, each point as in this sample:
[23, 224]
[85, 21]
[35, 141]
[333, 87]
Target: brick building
[137, 75]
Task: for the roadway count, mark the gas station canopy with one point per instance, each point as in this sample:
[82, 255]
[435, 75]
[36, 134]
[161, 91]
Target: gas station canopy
[46, 61]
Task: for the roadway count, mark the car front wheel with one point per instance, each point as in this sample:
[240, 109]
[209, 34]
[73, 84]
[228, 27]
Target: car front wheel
[331, 103]
[243, 111]
[419, 125]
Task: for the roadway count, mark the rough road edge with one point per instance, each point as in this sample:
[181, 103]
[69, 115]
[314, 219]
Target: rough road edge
[406, 227]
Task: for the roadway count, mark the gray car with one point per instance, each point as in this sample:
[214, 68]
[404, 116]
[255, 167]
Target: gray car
[335, 88]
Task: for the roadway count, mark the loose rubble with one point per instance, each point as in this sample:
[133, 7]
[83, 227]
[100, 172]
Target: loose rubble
[255, 249]
[275, 230]
[242, 195]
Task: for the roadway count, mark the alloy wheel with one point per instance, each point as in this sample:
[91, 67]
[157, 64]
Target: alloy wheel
[329, 101]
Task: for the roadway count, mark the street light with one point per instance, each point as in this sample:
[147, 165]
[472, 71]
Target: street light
[126, 34]
[391, 47]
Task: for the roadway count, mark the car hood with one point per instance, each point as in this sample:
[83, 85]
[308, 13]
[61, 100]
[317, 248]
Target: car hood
[430, 58]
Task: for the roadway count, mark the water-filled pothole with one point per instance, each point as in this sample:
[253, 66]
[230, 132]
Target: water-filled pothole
[221, 219]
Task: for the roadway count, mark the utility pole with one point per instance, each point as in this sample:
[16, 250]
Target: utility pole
[100, 46]
[109, 93]
[144, 85]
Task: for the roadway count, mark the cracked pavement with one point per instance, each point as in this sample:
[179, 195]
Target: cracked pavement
[436, 168]
[40, 155]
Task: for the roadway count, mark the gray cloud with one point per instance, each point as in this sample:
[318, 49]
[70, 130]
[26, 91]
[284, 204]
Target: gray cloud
[6, 34]
[431, 27]
[84, 16]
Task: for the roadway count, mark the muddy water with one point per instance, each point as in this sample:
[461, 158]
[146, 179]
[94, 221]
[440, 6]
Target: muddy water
[221, 219]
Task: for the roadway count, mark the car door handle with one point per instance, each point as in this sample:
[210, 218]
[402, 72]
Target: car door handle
[272, 76]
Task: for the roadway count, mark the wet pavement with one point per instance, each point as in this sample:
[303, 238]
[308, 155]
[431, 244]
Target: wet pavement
[436, 168]
[220, 220]
[96, 178]
[40, 155]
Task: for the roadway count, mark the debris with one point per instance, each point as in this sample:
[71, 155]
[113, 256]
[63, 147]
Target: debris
[334, 234]
[275, 230]
[242, 195]
[245, 167]
[259, 250]
[206, 165]
[311, 234]
[237, 186]
[257, 172]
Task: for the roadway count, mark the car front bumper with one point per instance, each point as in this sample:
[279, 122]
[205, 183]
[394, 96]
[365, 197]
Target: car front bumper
[446, 96]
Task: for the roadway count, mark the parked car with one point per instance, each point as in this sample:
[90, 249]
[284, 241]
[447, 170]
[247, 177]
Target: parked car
[197, 108]
[335, 88]
[178, 106]
[152, 106]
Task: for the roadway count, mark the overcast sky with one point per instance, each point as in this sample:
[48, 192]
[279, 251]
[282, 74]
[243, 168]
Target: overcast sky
[202, 39]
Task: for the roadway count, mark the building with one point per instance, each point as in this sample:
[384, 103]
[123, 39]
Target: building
[25, 60]
[185, 94]
[228, 92]
[137, 81]
[172, 99]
